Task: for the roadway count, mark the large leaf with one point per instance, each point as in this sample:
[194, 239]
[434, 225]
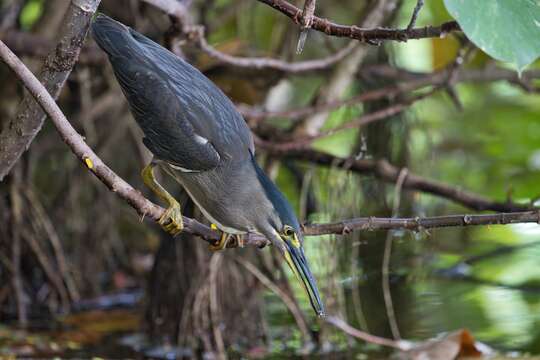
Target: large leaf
[508, 30]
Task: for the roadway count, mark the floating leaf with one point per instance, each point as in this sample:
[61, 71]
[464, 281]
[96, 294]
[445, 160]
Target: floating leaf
[459, 343]
[508, 30]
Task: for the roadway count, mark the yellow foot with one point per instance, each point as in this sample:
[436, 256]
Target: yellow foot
[171, 220]
[221, 243]
[238, 241]
[227, 241]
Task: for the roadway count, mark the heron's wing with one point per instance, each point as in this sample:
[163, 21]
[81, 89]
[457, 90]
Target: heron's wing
[158, 110]
[186, 119]
[203, 104]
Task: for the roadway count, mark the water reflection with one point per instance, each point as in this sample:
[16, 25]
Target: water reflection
[494, 290]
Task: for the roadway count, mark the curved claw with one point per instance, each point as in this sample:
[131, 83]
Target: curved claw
[221, 243]
[225, 242]
[239, 241]
[171, 220]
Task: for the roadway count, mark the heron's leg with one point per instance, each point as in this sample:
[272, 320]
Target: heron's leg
[171, 220]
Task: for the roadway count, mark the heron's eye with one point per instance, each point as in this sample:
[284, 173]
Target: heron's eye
[288, 231]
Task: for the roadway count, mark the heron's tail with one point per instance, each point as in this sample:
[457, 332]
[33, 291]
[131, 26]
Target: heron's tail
[113, 37]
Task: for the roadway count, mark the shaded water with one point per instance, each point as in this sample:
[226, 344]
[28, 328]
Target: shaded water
[493, 291]
[486, 280]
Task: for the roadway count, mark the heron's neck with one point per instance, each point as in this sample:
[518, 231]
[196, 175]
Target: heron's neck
[274, 195]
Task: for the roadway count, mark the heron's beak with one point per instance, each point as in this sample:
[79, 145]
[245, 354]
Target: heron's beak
[294, 255]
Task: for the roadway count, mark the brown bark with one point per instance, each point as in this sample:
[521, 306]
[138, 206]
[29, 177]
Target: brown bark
[18, 133]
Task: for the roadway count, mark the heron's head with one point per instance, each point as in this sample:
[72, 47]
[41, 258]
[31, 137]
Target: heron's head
[288, 240]
[282, 228]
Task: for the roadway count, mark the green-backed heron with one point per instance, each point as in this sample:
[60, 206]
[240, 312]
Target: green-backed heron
[197, 137]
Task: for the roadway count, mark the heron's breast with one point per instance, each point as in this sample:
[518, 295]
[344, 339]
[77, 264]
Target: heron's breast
[218, 197]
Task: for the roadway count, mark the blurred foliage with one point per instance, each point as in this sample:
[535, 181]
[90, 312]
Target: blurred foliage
[30, 13]
[491, 147]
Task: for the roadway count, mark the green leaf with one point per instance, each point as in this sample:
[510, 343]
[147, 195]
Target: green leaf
[31, 13]
[508, 30]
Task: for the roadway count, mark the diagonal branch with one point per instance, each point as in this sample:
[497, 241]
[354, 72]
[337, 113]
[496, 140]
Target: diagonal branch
[299, 143]
[86, 155]
[363, 35]
[22, 129]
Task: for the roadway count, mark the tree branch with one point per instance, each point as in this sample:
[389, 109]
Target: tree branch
[418, 224]
[146, 208]
[87, 156]
[261, 63]
[299, 143]
[402, 345]
[357, 33]
[305, 20]
[21, 130]
[414, 16]
[387, 172]
[405, 82]
[343, 76]
[195, 33]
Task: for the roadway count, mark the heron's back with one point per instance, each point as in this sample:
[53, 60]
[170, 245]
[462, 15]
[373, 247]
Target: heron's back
[172, 99]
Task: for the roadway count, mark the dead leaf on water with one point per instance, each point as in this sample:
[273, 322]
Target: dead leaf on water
[457, 344]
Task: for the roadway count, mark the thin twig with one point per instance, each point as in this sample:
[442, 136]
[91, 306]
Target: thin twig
[48, 268]
[414, 16]
[407, 82]
[289, 303]
[386, 259]
[276, 64]
[499, 251]
[306, 141]
[343, 326]
[36, 45]
[525, 286]
[343, 76]
[49, 230]
[16, 278]
[306, 20]
[295, 114]
[360, 34]
[195, 33]
[214, 266]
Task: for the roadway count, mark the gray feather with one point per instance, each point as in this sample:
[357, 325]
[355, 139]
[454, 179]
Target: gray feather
[186, 119]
